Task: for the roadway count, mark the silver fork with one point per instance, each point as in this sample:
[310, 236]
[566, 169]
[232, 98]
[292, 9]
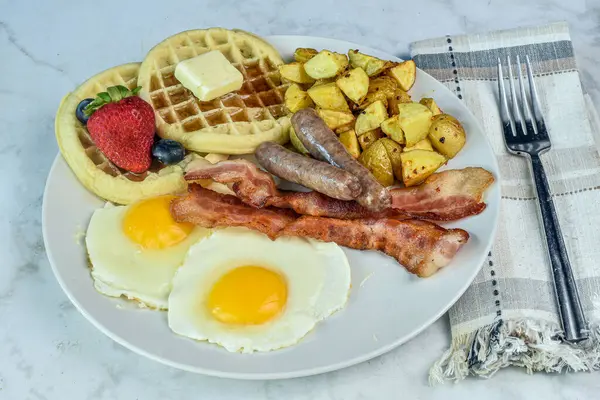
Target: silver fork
[525, 135]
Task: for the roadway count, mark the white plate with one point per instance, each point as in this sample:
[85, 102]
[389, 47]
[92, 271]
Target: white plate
[387, 305]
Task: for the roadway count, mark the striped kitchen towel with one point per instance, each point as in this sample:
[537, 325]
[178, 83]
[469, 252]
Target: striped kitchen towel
[508, 316]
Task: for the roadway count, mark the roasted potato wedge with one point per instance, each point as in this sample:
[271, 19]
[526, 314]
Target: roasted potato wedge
[375, 158]
[323, 81]
[383, 84]
[431, 104]
[336, 119]
[297, 99]
[295, 72]
[328, 96]
[350, 142]
[375, 68]
[371, 117]
[326, 64]
[344, 128]
[404, 73]
[367, 139]
[424, 144]
[391, 127]
[447, 135]
[383, 89]
[371, 98]
[296, 143]
[415, 120]
[417, 165]
[354, 84]
[393, 150]
[358, 59]
[399, 96]
[303, 54]
[372, 65]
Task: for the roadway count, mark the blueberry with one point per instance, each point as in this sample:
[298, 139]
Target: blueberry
[79, 111]
[168, 151]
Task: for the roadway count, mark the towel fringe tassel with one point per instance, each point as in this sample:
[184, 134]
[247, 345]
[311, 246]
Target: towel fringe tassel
[531, 344]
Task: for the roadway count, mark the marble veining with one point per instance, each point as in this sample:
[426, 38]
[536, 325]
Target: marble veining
[48, 350]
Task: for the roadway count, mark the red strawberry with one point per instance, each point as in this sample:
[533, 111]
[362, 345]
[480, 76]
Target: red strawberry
[122, 127]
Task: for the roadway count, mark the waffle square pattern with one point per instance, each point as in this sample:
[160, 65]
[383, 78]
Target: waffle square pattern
[235, 123]
[91, 166]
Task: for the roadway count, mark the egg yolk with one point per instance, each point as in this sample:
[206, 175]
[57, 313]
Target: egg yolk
[248, 295]
[149, 223]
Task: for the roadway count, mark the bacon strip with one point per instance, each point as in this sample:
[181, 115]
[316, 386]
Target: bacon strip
[252, 185]
[211, 209]
[445, 196]
[319, 205]
[422, 247]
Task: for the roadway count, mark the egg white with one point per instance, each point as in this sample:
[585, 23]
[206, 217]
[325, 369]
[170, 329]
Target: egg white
[121, 267]
[317, 275]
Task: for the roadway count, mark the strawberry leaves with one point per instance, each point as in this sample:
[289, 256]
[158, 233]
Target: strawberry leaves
[113, 94]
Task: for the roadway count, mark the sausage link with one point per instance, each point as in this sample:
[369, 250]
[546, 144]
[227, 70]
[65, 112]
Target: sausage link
[319, 176]
[324, 145]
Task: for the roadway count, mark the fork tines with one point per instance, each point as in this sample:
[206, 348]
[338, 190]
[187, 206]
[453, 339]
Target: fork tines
[523, 119]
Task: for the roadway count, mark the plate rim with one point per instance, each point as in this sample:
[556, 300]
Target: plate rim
[303, 372]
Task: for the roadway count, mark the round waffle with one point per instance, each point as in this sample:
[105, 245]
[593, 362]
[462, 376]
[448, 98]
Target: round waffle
[235, 123]
[91, 167]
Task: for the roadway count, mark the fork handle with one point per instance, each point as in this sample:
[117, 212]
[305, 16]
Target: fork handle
[569, 305]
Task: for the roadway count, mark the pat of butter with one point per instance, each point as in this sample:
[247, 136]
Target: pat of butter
[209, 75]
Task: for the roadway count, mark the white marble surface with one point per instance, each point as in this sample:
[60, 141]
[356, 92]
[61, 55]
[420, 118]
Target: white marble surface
[47, 349]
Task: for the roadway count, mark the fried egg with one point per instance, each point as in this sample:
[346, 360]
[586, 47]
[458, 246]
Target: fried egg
[135, 250]
[246, 292]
